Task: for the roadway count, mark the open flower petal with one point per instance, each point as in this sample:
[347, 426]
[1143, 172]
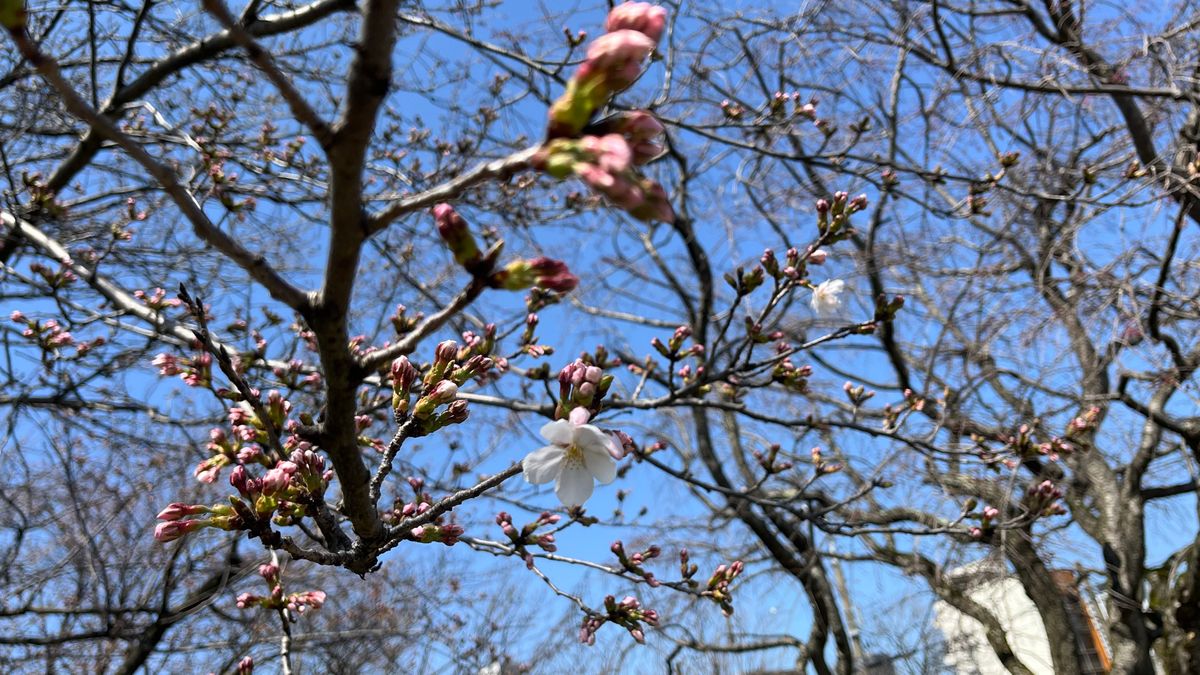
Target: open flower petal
[589, 437]
[826, 297]
[601, 465]
[558, 432]
[574, 485]
[542, 465]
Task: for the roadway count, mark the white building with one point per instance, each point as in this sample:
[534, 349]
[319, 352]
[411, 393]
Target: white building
[967, 648]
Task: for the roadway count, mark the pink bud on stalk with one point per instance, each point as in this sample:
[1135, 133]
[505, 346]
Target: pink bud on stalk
[301, 602]
[177, 510]
[542, 272]
[613, 62]
[175, 529]
[278, 480]
[442, 392]
[454, 231]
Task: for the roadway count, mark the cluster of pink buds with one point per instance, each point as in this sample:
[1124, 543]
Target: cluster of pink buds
[674, 347]
[1022, 443]
[791, 376]
[691, 376]
[857, 395]
[892, 413]
[777, 105]
[1055, 447]
[421, 503]
[718, 585]
[297, 603]
[633, 563]
[987, 521]
[176, 523]
[51, 336]
[609, 164]
[157, 300]
[795, 264]
[767, 460]
[480, 344]
[195, 371]
[528, 340]
[402, 322]
[605, 154]
[283, 491]
[245, 666]
[297, 375]
[452, 366]
[55, 278]
[1043, 499]
[225, 450]
[821, 466]
[833, 219]
[581, 385]
[732, 110]
[429, 533]
[1084, 423]
[527, 536]
[628, 614]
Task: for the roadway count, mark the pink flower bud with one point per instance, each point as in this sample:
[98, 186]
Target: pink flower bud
[640, 125]
[618, 55]
[650, 20]
[174, 529]
[208, 470]
[240, 480]
[579, 416]
[277, 480]
[167, 364]
[443, 392]
[454, 231]
[611, 152]
[446, 352]
[177, 510]
[270, 572]
[456, 412]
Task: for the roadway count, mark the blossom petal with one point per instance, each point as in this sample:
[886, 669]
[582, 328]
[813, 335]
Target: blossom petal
[601, 465]
[558, 432]
[542, 465]
[574, 486]
[588, 437]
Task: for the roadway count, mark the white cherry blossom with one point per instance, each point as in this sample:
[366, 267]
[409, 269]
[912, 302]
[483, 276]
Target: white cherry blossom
[826, 297]
[577, 454]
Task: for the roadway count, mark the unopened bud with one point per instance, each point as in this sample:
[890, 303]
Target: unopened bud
[456, 234]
